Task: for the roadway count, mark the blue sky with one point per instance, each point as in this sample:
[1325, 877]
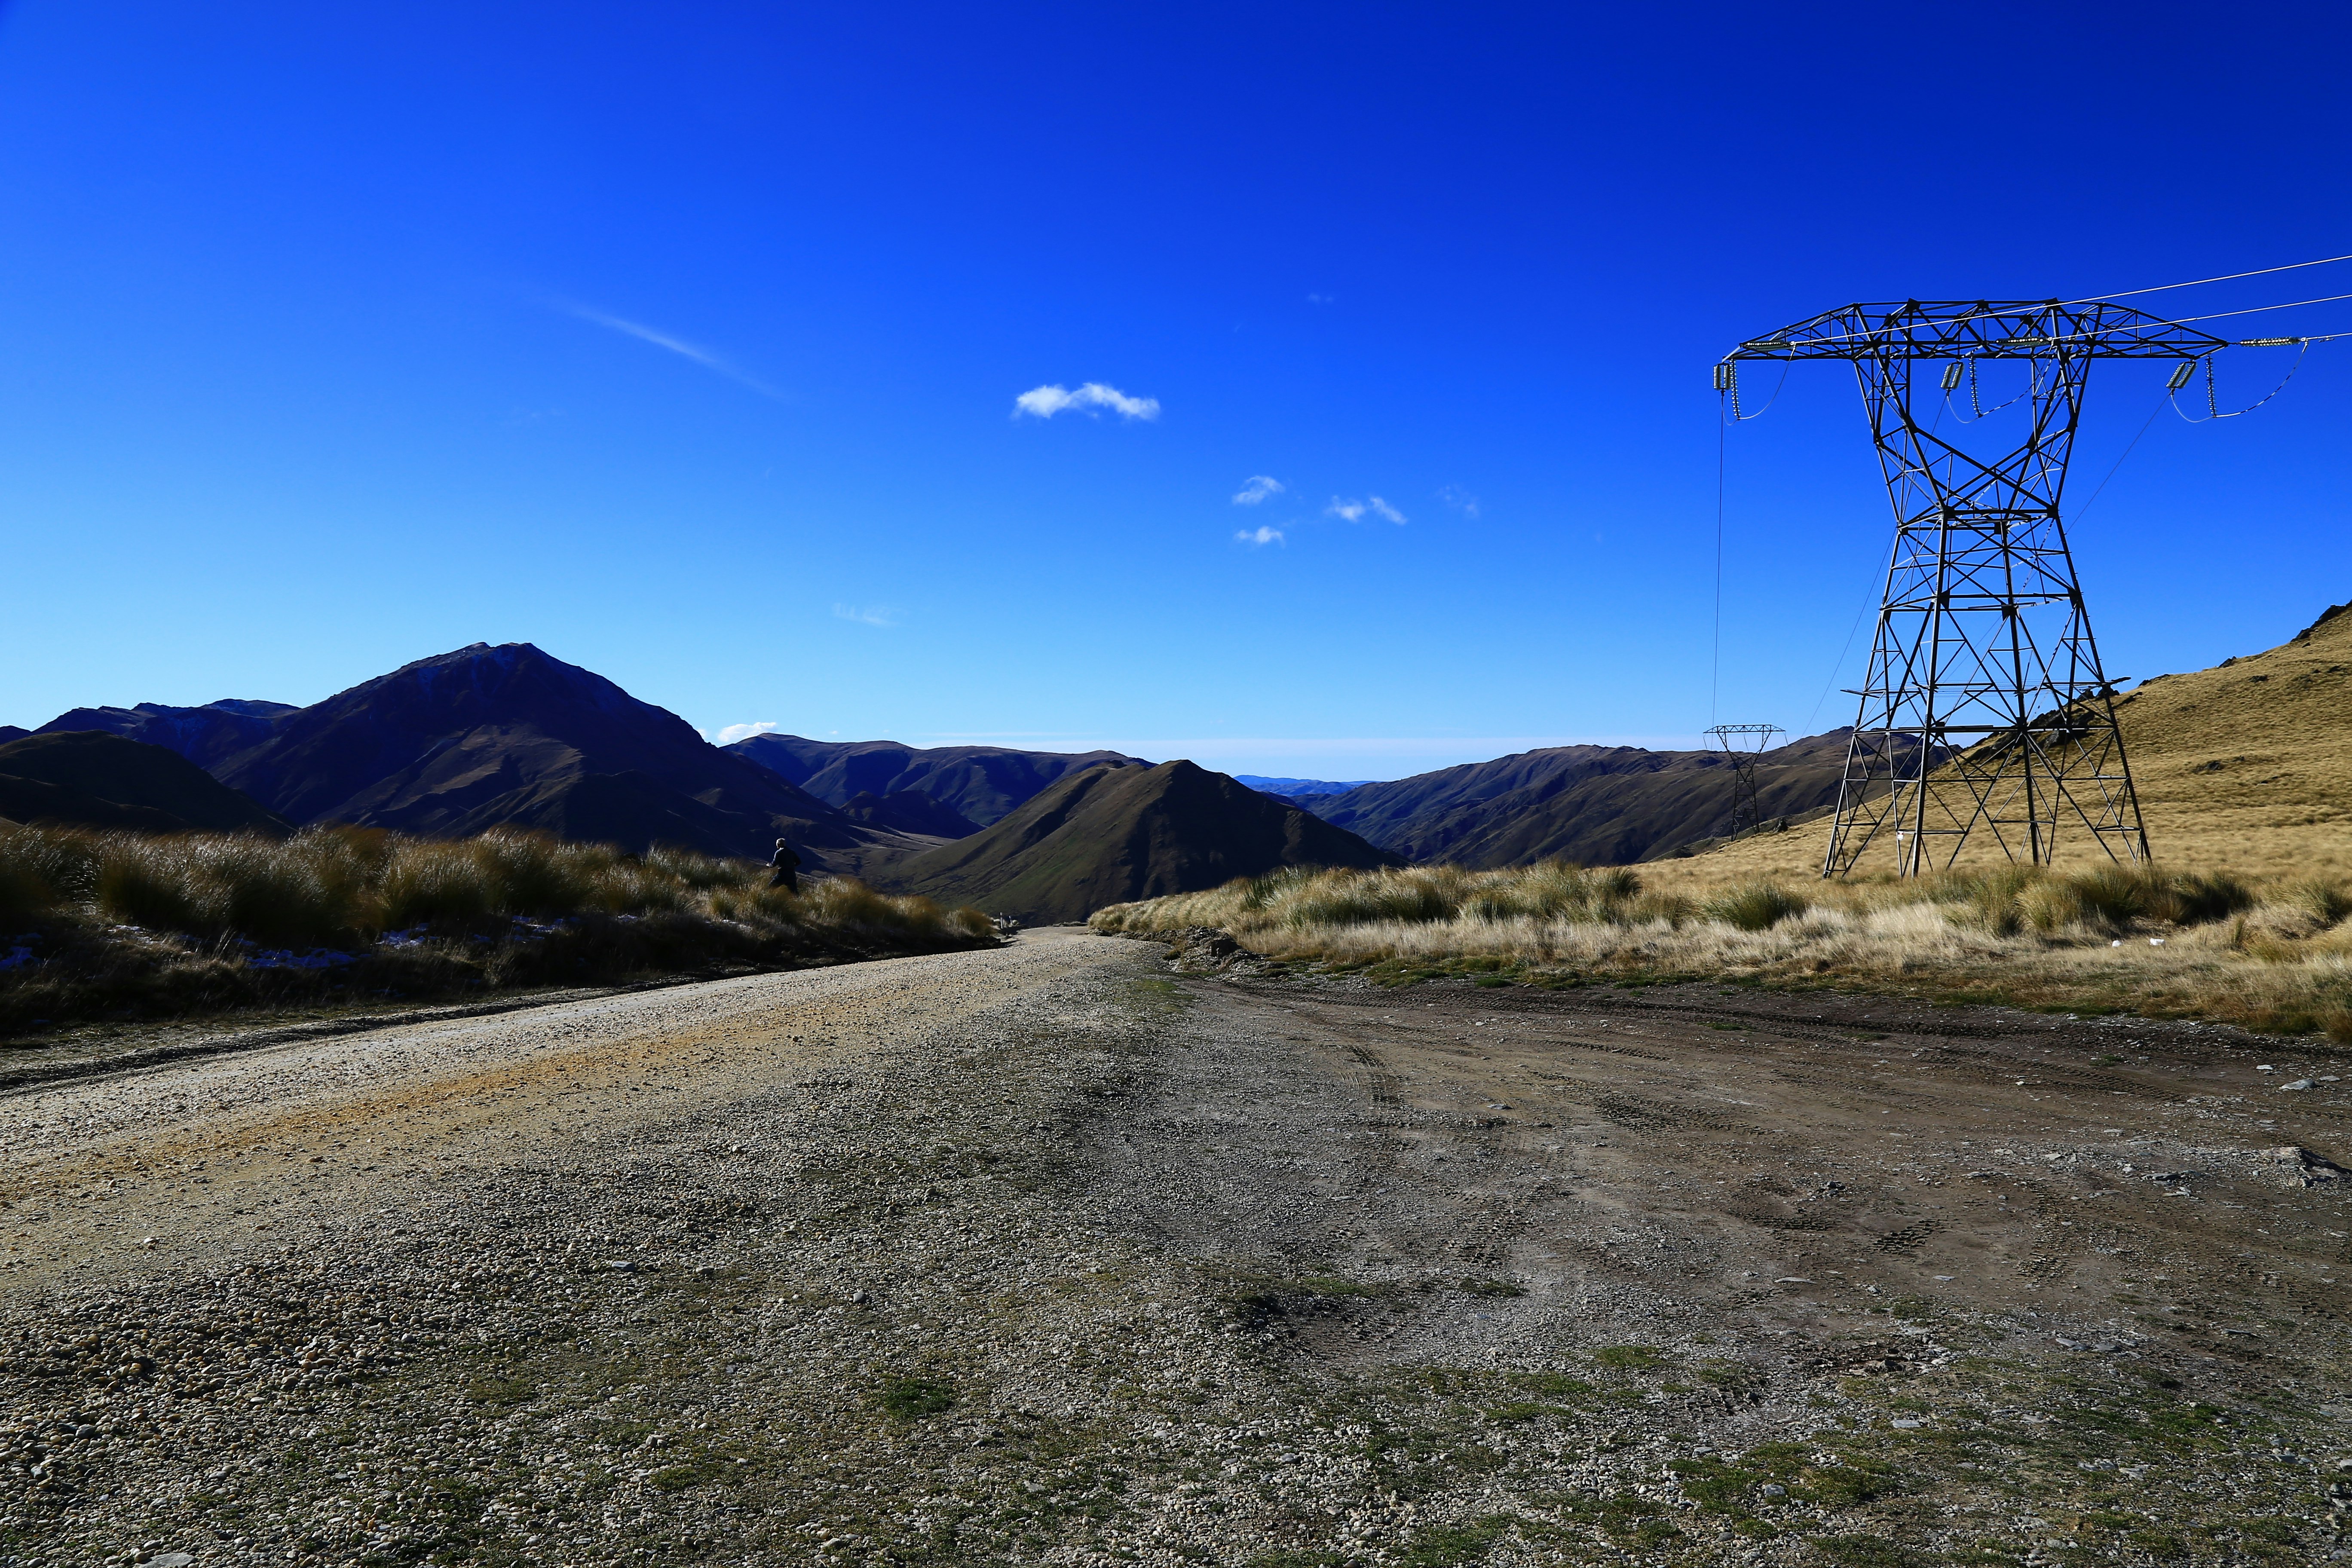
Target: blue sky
[685, 343]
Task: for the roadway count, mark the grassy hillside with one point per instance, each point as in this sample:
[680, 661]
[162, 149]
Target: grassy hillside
[2244, 768]
[1111, 834]
[91, 779]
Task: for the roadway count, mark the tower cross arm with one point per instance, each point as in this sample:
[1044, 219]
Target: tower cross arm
[1980, 328]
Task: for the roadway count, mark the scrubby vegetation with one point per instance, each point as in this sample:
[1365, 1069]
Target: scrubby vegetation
[2273, 956]
[109, 924]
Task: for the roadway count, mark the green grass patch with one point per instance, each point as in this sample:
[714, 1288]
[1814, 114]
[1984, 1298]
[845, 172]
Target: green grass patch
[914, 1398]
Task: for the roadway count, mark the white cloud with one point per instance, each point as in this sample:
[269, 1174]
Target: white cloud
[1460, 499]
[1045, 401]
[1260, 536]
[661, 340]
[868, 614]
[1255, 489]
[1357, 510]
[1319, 300]
[734, 732]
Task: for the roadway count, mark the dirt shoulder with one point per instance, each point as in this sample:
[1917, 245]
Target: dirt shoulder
[1051, 1255]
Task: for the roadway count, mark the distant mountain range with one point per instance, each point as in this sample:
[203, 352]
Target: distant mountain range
[510, 736]
[487, 736]
[980, 784]
[1293, 789]
[1596, 805]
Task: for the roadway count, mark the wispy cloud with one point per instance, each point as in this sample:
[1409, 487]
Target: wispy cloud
[1045, 401]
[1460, 499]
[1255, 489]
[868, 615]
[1319, 300]
[1357, 510]
[677, 345]
[1260, 536]
[731, 733]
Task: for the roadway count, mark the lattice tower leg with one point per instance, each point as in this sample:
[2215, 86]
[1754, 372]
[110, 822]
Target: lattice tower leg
[1985, 716]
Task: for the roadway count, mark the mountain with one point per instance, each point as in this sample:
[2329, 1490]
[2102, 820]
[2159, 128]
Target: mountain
[1110, 834]
[91, 778]
[1296, 789]
[11, 732]
[980, 784]
[486, 737]
[1596, 805]
[204, 735]
[2246, 767]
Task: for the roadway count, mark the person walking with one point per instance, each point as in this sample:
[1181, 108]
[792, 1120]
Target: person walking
[788, 868]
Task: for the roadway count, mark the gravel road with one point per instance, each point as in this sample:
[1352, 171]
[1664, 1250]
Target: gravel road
[1059, 1254]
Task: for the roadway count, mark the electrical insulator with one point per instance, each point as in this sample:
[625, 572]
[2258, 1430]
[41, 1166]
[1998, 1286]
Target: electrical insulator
[1723, 374]
[1952, 373]
[2180, 374]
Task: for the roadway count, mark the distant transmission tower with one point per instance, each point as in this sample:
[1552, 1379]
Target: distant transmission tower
[1985, 709]
[1743, 743]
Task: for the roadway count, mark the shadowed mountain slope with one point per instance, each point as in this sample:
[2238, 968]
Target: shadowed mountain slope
[205, 735]
[980, 784]
[909, 811]
[1596, 805]
[1112, 834]
[487, 736]
[91, 778]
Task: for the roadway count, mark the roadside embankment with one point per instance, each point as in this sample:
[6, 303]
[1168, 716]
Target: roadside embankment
[126, 926]
[2275, 957]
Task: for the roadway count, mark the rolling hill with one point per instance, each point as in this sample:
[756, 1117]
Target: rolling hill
[1110, 834]
[1596, 805]
[980, 784]
[2246, 767]
[89, 778]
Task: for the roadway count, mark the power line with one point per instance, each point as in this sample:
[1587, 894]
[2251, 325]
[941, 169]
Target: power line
[2196, 282]
[2257, 309]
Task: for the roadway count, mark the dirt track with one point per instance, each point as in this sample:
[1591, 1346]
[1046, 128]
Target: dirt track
[1047, 1255]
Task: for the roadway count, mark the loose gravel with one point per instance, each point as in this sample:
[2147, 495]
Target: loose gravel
[1054, 1254]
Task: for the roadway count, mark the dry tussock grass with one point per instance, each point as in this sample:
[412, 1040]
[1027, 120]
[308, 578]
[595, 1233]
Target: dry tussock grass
[2277, 958]
[99, 922]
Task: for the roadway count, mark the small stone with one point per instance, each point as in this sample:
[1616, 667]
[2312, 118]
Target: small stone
[1774, 1488]
[2300, 1083]
[860, 1296]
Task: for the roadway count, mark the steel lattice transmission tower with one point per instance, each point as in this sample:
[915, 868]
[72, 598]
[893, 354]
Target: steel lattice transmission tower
[1985, 710]
[1742, 745]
